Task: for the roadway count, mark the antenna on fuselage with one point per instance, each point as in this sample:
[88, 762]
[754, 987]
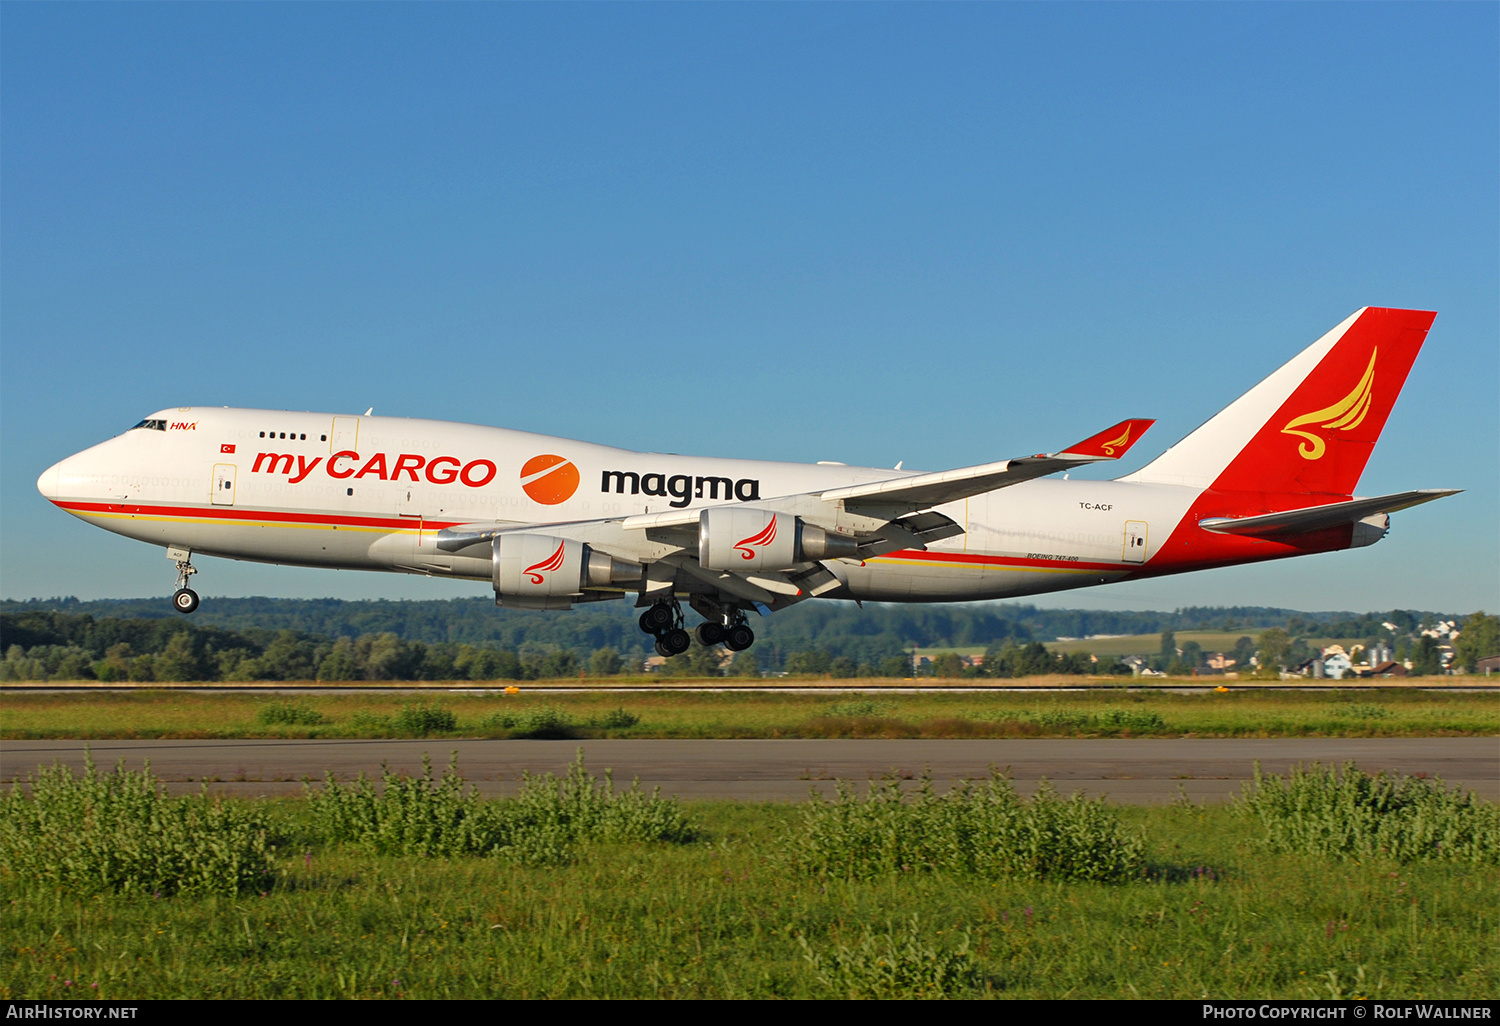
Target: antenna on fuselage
[369, 411]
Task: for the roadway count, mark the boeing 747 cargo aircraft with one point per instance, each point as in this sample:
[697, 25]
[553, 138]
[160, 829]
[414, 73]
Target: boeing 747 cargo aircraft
[551, 522]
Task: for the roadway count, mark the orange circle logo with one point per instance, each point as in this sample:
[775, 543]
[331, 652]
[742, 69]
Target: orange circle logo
[549, 479]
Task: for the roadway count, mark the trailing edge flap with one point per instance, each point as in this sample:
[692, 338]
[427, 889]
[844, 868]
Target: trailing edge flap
[914, 532]
[1316, 518]
[923, 490]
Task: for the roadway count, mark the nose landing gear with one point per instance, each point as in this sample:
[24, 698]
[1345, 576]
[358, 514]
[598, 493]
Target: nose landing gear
[184, 599]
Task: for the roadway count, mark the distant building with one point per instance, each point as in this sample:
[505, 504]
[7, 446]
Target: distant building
[1336, 664]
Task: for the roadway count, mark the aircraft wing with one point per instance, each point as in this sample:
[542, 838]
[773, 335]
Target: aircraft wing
[1316, 518]
[923, 490]
[877, 518]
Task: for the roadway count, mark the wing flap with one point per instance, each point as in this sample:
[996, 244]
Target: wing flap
[1317, 518]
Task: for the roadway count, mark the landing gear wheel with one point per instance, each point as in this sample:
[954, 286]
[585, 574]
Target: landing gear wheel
[658, 618]
[185, 600]
[662, 649]
[710, 633]
[738, 638]
[674, 641]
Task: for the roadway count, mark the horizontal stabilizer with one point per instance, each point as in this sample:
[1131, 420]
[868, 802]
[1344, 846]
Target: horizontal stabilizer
[923, 490]
[1317, 518]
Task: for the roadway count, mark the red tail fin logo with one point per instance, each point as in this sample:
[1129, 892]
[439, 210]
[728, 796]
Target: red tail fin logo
[1344, 415]
[1110, 446]
[552, 562]
[765, 537]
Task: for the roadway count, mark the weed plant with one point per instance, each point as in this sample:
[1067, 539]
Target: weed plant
[290, 714]
[548, 721]
[986, 830]
[544, 721]
[897, 963]
[616, 719]
[119, 832]
[420, 719]
[543, 824]
[1347, 813]
[859, 707]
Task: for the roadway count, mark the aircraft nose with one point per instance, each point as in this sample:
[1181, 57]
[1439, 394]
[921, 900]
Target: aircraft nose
[47, 483]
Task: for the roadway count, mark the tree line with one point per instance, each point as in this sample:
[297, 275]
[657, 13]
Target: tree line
[50, 644]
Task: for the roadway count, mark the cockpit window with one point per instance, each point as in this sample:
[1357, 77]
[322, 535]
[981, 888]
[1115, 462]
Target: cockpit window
[153, 425]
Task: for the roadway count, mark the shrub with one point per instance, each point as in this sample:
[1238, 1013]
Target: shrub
[370, 723]
[1363, 711]
[1063, 719]
[898, 963]
[421, 720]
[986, 830]
[859, 707]
[290, 713]
[616, 719]
[1129, 719]
[1348, 813]
[543, 721]
[541, 825]
[119, 832]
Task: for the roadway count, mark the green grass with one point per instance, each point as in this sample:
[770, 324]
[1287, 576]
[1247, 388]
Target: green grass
[1117, 712]
[723, 917]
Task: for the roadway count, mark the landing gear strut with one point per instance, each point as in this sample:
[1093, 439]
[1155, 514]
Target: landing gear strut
[664, 619]
[184, 599]
[737, 633]
[723, 625]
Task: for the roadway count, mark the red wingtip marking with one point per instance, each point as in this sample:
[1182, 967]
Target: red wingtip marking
[1112, 442]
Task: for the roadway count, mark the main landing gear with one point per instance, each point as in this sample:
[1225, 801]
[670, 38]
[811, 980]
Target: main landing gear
[664, 620]
[184, 599]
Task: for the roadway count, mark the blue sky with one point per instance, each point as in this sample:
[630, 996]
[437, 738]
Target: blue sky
[942, 234]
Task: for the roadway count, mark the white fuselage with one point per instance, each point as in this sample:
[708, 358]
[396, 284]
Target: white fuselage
[371, 493]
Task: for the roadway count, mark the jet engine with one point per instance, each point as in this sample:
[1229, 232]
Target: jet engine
[733, 538]
[539, 571]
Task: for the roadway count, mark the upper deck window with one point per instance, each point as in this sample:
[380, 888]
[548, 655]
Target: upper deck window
[154, 425]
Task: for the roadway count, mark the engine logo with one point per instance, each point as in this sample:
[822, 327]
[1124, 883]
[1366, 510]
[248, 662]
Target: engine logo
[549, 479]
[546, 566]
[765, 537]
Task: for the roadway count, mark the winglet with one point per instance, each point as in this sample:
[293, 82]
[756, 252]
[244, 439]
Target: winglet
[1111, 443]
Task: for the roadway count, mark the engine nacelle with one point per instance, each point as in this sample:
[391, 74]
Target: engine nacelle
[541, 571]
[733, 538]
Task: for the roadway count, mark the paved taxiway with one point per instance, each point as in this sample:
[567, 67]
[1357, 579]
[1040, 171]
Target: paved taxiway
[1129, 771]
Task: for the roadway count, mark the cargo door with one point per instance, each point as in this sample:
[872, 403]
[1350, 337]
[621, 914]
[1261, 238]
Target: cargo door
[1135, 541]
[223, 484]
[409, 509]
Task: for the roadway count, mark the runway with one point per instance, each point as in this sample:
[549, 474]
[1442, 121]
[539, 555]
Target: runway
[1127, 771]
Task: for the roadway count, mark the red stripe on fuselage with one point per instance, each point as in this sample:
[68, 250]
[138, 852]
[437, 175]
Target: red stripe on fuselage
[237, 515]
[972, 557]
